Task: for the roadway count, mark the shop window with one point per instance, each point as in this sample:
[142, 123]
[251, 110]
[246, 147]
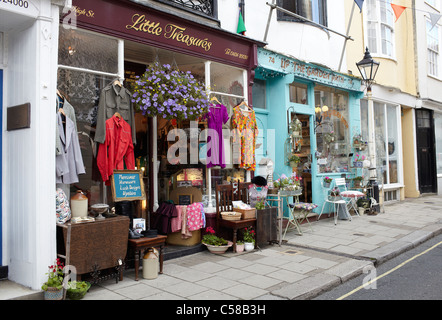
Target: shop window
[314, 10]
[380, 27]
[259, 94]
[332, 130]
[298, 93]
[81, 49]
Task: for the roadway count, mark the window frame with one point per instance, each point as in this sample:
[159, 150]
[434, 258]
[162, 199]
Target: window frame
[321, 11]
[430, 50]
[379, 26]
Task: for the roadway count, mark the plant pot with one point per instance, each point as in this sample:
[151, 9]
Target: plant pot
[361, 211]
[249, 246]
[290, 192]
[217, 249]
[239, 248]
[293, 164]
[53, 294]
[77, 294]
[357, 183]
[326, 184]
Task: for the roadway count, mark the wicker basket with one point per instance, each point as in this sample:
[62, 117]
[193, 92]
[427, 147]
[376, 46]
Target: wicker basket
[231, 216]
[246, 213]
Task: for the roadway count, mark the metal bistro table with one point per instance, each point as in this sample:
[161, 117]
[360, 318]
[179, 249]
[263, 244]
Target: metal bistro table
[297, 210]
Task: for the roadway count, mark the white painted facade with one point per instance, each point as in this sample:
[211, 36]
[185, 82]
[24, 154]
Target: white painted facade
[429, 82]
[29, 51]
[300, 40]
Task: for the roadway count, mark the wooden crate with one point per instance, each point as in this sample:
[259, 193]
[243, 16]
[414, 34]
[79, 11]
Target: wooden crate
[246, 213]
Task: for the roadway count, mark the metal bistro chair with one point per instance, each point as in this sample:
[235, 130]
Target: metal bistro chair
[340, 184]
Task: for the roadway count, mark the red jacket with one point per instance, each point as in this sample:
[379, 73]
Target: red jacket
[117, 149]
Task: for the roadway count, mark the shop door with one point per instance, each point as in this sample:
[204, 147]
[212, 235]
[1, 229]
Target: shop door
[426, 155]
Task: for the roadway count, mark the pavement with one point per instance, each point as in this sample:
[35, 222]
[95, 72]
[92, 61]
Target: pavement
[301, 268]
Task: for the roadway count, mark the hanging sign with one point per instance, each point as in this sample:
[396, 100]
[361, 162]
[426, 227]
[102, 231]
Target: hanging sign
[127, 185]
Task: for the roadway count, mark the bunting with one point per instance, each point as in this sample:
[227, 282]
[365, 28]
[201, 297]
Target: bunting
[241, 25]
[434, 18]
[359, 3]
[398, 10]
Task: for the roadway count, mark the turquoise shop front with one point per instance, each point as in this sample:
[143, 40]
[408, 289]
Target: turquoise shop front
[288, 92]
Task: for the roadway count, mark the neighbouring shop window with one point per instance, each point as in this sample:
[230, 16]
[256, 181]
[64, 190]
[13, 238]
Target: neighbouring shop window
[433, 49]
[314, 10]
[438, 133]
[380, 27]
[332, 130]
[259, 94]
[298, 93]
[388, 161]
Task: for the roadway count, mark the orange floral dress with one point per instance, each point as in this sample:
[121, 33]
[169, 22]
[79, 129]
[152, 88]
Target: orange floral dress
[245, 132]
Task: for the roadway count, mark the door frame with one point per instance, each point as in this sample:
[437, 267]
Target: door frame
[432, 156]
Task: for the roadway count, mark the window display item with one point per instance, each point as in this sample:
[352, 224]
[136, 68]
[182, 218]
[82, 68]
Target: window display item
[114, 98]
[257, 194]
[69, 163]
[117, 151]
[67, 110]
[99, 209]
[216, 117]
[244, 137]
[62, 207]
[79, 205]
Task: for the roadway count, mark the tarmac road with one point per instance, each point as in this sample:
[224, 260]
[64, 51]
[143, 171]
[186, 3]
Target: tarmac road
[413, 275]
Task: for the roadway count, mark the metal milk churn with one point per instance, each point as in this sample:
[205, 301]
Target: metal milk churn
[150, 264]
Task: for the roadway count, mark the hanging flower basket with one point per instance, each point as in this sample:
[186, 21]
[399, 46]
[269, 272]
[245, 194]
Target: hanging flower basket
[169, 93]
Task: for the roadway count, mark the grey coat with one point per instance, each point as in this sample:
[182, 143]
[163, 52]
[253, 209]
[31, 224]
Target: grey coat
[114, 98]
[70, 113]
[69, 164]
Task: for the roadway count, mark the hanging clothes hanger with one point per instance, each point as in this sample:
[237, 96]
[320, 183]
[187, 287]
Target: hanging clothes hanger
[118, 83]
[216, 100]
[118, 115]
[247, 109]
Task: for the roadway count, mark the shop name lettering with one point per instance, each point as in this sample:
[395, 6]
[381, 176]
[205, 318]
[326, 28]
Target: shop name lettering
[173, 32]
[128, 185]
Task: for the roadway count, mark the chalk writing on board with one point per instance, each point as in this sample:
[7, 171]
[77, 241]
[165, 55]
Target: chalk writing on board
[128, 185]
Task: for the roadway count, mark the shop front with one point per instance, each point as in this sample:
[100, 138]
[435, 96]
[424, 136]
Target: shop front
[99, 68]
[313, 117]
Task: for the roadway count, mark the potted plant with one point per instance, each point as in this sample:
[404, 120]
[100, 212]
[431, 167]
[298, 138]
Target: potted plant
[363, 204]
[327, 181]
[214, 243]
[77, 289]
[53, 287]
[359, 161]
[334, 194]
[169, 93]
[249, 239]
[294, 160]
[239, 246]
[296, 127]
[289, 185]
[357, 181]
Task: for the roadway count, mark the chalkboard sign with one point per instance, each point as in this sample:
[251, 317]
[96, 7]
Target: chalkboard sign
[127, 185]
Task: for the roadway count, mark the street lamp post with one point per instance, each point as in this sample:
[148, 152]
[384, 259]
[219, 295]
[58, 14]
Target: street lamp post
[368, 69]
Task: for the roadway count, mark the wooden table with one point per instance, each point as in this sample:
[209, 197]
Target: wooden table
[142, 244]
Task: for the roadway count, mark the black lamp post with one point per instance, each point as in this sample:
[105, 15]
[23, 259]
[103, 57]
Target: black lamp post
[368, 69]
